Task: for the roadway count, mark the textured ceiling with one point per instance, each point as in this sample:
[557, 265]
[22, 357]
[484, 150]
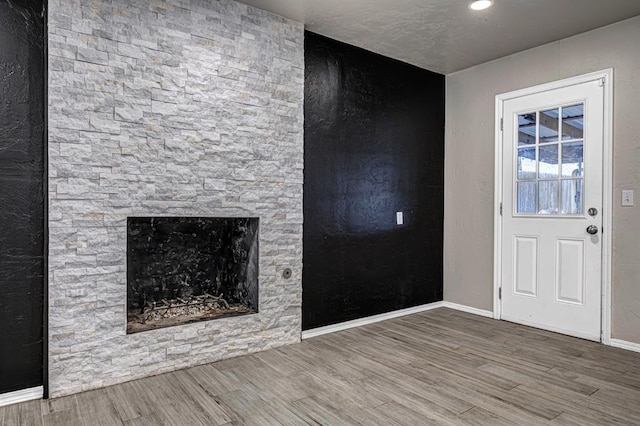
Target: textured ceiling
[444, 35]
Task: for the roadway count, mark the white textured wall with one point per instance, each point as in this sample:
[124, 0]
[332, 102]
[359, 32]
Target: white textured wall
[469, 161]
[167, 108]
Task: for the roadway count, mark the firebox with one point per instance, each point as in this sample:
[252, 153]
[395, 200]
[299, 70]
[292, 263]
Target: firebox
[187, 269]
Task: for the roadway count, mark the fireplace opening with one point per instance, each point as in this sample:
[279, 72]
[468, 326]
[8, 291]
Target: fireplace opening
[187, 269]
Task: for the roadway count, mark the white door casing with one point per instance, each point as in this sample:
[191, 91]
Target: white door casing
[551, 271]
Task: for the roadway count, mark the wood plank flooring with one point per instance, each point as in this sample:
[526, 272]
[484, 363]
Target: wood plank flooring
[441, 367]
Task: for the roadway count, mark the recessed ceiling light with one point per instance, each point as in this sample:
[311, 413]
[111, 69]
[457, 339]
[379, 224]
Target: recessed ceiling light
[481, 4]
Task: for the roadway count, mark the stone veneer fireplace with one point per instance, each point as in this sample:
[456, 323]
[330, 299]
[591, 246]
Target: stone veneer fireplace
[167, 108]
[187, 269]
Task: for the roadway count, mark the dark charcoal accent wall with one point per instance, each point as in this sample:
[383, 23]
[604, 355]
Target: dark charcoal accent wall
[22, 171]
[374, 145]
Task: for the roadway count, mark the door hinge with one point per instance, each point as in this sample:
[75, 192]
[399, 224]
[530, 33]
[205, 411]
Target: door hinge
[500, 293]
[502, 124]
[602, 82]
[500, 209]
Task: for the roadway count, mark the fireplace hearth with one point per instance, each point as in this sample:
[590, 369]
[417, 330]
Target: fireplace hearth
[187, 269]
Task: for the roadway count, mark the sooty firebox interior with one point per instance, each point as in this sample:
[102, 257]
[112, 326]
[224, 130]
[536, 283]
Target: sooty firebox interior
[187, 269]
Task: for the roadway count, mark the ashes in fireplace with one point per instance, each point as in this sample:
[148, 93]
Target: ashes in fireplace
[187, 269]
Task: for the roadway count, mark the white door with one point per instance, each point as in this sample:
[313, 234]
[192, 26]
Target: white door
[552, 209]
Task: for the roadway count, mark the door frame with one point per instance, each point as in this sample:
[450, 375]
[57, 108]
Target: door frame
[606, 76]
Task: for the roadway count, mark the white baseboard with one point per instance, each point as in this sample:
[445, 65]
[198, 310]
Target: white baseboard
[468, 309]
[623, 344]
[22, 395]
[368, 320]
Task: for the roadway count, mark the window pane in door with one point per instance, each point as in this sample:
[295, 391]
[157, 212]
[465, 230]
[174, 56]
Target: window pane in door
[548, 197]
[572, 122]
[527, 129]
[548, 161]
[526, 198]
[572, 196]
[572, 159]
[526, 163]
[549, 124]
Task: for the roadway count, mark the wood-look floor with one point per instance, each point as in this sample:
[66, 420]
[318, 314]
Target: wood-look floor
[438, 367]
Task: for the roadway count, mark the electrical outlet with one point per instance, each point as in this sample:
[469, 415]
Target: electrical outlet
[627, 198]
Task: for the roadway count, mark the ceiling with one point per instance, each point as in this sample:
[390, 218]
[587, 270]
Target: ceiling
[444, 35]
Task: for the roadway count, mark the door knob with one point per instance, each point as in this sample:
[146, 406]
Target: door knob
[592, 229]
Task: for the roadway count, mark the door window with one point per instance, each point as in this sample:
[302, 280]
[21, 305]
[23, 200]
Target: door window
[550, 162]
